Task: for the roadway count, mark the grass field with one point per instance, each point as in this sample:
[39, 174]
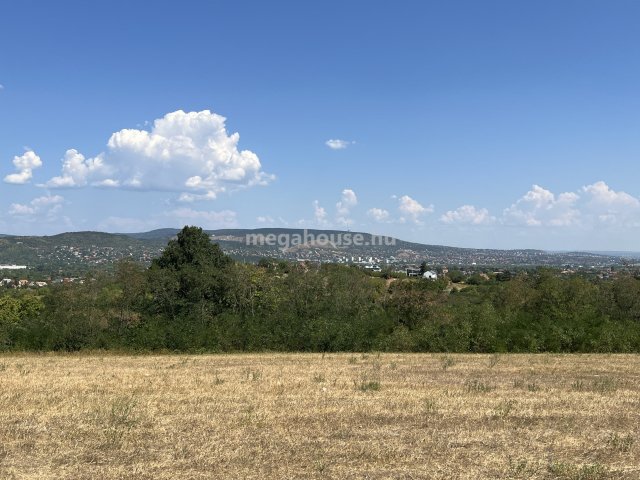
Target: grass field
[313, 416]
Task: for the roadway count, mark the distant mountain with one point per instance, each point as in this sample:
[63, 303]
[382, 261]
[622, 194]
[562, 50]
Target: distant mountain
[78, 251]
[341, 246]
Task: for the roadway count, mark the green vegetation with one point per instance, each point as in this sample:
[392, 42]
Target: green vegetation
[195, 298]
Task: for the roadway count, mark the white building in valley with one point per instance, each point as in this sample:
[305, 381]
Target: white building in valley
[430, 275]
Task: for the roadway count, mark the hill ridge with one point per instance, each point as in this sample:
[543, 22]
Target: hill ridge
[71, 252]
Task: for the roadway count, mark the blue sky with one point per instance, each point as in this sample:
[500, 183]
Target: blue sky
[481, 124]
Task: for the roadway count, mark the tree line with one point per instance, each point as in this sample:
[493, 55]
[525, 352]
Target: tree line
[194, 298]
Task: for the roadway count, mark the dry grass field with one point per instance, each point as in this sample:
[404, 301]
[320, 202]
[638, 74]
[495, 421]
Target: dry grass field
[313, 416]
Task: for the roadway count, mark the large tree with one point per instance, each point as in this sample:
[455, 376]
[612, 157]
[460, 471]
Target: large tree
[190, 277]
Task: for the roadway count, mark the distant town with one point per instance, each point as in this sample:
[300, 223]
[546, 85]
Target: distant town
[40, 261]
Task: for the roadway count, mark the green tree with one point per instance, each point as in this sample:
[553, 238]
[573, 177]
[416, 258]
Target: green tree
[14, 310]
[190, 277]
[456, 276]
[424, 267]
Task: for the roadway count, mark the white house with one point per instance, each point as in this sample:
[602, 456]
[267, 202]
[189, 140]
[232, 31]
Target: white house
[430, 275]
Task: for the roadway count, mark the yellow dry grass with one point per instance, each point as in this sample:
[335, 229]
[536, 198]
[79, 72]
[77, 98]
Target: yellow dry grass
[313, 416]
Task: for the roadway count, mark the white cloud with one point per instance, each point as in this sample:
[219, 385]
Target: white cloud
[192, 197]
[540, 207]
[602, 194]
[344, 206]
[25, 164]
[468, 214]
[319, 214]
[19, 209]
[189, 152]
[594, 205]
[412, 209]
[46, 207]
[337, 144]
[378, 214]
[605, 205]
[1, 87]
[77, 171]
[348, 200]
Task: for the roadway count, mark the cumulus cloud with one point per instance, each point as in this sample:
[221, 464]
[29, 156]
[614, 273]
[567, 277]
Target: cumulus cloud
[46, 207]
[344, 206]
[540, 207]
[378, 214]
[188, 152]
[602, 194]
[321, 218]
[605, 205]
[595, 204]
[25, 164]
[77, 171]
[337, 144]
[412, 209]
[319, 214]
[468, 214]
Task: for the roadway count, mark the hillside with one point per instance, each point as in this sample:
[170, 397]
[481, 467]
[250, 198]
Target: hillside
[75, 252]
[382, 248]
